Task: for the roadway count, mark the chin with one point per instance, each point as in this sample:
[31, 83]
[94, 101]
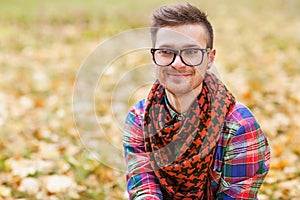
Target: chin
[177, 91]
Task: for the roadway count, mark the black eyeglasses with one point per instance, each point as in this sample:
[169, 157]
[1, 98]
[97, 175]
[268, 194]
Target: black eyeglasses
[190, 57]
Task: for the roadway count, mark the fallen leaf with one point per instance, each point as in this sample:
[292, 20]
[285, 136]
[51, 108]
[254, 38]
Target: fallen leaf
[59, 184]
[30, 185]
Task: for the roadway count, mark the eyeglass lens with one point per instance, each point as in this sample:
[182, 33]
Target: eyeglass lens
[190, 57]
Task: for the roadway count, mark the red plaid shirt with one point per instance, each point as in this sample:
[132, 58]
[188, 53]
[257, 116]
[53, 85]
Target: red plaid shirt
[241, 161]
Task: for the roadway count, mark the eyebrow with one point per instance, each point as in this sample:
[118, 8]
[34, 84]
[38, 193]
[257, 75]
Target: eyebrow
[181, 47]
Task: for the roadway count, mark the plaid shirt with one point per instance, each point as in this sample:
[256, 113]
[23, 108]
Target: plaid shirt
[242, 157]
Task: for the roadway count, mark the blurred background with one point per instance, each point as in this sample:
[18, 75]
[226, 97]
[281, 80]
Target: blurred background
[43, 44]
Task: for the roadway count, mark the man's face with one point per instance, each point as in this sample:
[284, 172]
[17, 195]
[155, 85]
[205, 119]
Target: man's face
[178, 78]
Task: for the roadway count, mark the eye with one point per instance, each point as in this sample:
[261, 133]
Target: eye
[165, 52]
[191, 51]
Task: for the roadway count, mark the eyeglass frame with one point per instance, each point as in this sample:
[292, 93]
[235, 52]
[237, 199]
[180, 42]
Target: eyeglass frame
[179, 52]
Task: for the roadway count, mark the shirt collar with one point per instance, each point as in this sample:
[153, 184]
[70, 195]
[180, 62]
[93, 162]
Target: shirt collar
[174, 113]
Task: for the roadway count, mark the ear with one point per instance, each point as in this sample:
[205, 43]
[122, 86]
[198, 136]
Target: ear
[211, 57]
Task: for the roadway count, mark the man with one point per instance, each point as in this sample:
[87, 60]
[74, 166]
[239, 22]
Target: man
[190, 139]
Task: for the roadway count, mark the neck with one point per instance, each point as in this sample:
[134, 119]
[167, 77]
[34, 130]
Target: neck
[182, 102]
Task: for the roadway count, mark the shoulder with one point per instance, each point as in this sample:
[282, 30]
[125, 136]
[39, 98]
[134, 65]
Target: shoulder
[132, 133]
[138, 108]
[136, 112]
[242, 119]
[241, 129]
[240, 114]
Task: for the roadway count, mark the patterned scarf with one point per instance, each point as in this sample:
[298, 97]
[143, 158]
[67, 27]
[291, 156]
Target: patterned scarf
[182, 152]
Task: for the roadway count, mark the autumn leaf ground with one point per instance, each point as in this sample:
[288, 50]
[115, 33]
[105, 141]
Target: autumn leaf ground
[43, 44]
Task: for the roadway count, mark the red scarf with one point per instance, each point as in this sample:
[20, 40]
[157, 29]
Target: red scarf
[182, 152]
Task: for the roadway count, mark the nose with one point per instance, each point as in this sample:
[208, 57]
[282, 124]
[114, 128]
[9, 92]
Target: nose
[178, 62]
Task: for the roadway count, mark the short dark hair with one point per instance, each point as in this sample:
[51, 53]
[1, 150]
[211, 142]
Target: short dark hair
[180, 14]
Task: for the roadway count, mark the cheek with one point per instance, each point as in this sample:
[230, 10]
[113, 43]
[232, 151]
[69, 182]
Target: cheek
[158, 73]
[200, 71]
[200, 74]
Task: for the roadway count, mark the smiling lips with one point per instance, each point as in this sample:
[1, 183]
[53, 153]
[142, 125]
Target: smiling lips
[179, 74]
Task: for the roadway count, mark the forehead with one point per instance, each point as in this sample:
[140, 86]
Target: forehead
[181, 36]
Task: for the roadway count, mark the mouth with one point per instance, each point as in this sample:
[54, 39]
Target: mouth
[179, 74]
